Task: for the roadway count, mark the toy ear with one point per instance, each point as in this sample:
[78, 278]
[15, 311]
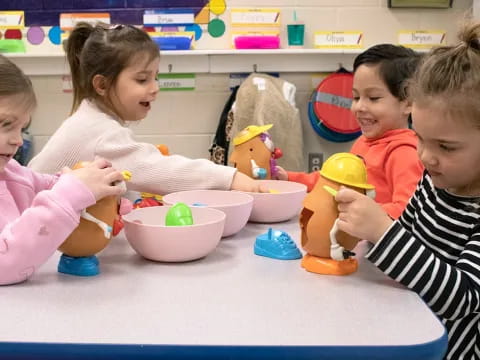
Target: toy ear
[100, 84]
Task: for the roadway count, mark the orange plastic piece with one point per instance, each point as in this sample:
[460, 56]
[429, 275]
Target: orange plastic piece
[163, 149]
[328, 266]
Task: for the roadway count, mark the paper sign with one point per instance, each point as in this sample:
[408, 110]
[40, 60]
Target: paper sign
[68, 21]
[12, 20]
[255, 17]
[166, 17]
[176, 82]
[421, 39]
[338, 39]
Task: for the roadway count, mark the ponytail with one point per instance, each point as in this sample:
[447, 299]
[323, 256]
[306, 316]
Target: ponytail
[73, 49]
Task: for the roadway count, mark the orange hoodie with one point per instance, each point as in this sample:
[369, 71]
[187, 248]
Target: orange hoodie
[393, 167]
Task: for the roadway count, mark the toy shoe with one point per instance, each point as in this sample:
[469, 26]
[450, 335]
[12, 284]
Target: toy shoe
[277, 245]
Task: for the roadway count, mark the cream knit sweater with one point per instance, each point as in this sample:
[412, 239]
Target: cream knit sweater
[90, 132]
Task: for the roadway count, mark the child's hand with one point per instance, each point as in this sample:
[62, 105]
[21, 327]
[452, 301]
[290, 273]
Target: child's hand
[242, 182]
[360, 216]
[99, 177]
[281, 174]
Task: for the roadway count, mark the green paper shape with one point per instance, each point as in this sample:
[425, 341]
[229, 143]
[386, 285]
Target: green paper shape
[12, 46]
[216, 28]
[179, 215]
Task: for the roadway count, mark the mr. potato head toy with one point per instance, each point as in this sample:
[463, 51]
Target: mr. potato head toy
[329, 250]
[254, 153]
[98, 224]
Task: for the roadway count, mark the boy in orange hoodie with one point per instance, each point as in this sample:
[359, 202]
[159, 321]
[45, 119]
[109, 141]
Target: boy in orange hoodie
[387, 145]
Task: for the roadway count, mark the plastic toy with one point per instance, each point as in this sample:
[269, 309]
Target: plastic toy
[277, 245]
[148, 199]
[257, 42]
[98, 223]
[329, 251]
[179, 215]
[254, 153]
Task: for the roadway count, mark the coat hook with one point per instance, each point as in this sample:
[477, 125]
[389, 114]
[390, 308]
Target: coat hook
[254, 68]
[170, 67]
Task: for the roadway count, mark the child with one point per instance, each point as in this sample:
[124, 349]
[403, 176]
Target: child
[382, 110]
[434, 248]
[114, 72]
[37, 212]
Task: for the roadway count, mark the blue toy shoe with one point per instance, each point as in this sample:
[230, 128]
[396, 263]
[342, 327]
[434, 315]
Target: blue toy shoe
[276, 245]
[79, 266]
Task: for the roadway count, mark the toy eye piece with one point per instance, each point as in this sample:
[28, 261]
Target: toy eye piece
[251, 149]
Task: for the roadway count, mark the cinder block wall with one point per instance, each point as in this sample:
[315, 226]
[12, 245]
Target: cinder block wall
[187, 120]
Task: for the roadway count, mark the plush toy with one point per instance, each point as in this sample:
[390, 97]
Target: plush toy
[98, 224]
[329, 251]
[254, 153]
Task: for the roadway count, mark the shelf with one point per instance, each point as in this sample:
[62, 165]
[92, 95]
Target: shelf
[213, 61]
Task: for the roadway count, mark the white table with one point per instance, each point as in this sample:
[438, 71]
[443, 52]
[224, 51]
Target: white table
[231, 304]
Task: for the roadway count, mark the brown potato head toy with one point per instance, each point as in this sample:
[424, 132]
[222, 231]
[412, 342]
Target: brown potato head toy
[329, 250]
[254, 153]
[98, 224]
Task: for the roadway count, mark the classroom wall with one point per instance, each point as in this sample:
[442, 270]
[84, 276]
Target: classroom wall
[187, 120]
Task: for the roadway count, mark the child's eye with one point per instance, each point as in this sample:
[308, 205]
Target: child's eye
[356, 98]
[374, 98]
[6, 124]
[447, 148]
[141, 81]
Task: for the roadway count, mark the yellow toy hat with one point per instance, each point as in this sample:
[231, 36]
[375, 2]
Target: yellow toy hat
[249, 133]
[347, 169]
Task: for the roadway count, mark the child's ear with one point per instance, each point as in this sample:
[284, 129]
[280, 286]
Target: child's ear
[100, 84]
[407, 107]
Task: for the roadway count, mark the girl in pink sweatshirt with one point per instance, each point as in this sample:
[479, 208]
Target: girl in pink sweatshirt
[37, 212]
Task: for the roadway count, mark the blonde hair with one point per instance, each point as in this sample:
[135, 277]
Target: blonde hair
[104, 50]
[450, 76]
[13, 82]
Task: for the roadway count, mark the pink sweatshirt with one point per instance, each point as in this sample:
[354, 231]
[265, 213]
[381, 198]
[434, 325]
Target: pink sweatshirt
[37, 213]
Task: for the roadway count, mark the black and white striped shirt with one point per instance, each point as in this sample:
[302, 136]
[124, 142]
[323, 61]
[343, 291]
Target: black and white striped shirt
[434, 249]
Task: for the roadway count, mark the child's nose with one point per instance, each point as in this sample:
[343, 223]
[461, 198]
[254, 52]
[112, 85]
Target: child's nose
[16, 139]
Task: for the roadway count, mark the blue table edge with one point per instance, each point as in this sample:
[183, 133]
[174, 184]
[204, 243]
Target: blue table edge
[434, 350]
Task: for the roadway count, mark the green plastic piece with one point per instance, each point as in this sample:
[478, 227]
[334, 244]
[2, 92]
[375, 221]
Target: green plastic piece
[12, 46]
[179, 215]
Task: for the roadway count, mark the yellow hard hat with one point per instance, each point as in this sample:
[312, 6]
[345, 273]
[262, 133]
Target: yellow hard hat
[347, 169]
[249, 133]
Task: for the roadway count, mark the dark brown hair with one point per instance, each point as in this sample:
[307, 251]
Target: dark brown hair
[396, 65]
[104, 50]
[14, 82]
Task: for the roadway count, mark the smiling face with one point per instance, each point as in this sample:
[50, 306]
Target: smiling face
[13, 118]
[448, 148]
[376, 109]
[136, 87]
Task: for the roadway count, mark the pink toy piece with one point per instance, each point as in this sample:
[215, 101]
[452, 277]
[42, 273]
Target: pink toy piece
[281, 204]
[237, 206]
[257, 42]
[155, 241]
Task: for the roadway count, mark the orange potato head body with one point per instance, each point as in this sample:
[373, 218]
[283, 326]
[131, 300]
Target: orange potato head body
[254, 153]
[328, 249]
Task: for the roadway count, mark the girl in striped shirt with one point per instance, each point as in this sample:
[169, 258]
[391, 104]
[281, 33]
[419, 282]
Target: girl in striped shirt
[434, 247]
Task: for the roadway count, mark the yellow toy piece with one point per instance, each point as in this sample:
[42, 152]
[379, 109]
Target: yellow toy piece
[347, 169]
[249, 133]
[127, 175]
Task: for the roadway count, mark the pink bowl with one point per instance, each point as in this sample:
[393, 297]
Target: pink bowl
[147, 234]
[237, 206]
[281, 206]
